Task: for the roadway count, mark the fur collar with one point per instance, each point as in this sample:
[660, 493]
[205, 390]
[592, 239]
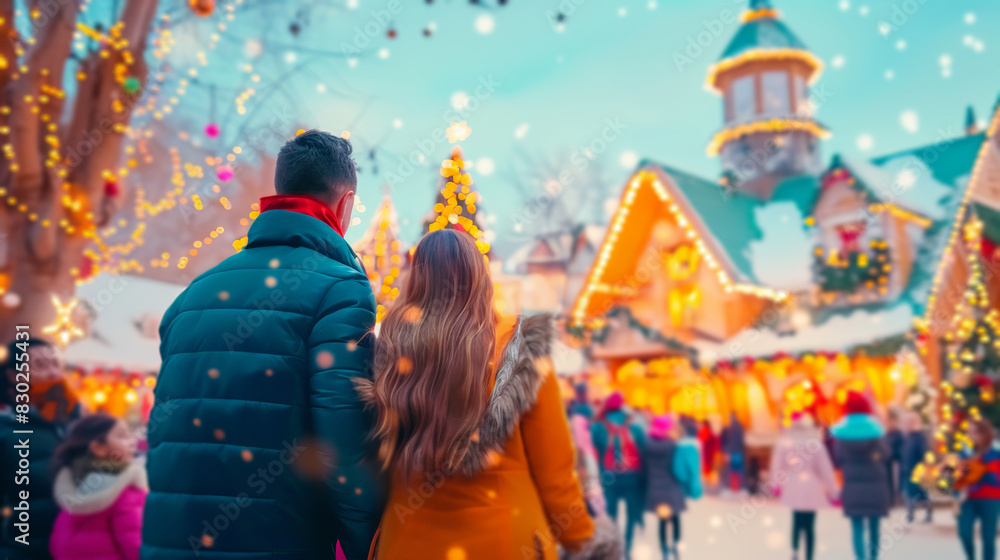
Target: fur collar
[514, 391]
[97, 491]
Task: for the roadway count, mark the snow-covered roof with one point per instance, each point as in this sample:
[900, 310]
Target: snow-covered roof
[839, 333]
[124, 331]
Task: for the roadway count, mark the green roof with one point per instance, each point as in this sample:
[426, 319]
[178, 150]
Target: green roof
[948, 160]
[728, 217]
[803, 191]
[991, 221]
[762, 33]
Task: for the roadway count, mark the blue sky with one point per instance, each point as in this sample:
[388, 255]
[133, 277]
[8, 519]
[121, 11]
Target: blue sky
[556, 90]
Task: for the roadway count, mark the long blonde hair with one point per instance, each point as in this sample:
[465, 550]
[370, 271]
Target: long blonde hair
[433, 358]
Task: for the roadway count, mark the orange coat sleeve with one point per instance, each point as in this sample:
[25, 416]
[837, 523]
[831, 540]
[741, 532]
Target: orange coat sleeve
[552, 460]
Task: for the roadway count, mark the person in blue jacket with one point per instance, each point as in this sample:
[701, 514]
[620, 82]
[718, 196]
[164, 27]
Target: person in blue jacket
[862, 451]
[257, 439]
[620, 444]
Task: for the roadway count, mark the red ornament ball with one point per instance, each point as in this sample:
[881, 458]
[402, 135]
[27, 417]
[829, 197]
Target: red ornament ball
[212, 130]
[202, 8]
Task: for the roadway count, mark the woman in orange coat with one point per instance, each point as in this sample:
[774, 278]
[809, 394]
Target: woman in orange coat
[472, 431]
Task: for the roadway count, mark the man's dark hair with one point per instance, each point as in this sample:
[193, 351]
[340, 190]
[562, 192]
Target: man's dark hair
[315, 163]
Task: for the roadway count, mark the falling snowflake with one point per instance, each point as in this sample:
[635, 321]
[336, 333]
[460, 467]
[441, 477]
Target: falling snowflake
[901, 45]
[884, 28]
[845, 5]
[906, 179]
[352, 62]
[865, 142]
[290, 57]
[889, 74]
[628, 159]
[383, 53]
[910, 121]
[622, 12]
[397, 123]
[460, 101]
[863, 10]
[485, 24]
[521, 131]
[970, 18]
[652, 5]
[838, 61]
[485, 166]
[321, 88]
[352, 4]
[253, 48]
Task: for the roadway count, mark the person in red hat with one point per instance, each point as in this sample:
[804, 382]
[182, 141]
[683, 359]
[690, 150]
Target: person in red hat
[862, 452]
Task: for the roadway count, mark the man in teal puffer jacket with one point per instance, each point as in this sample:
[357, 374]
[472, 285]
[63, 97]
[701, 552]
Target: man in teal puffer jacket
[257, 438]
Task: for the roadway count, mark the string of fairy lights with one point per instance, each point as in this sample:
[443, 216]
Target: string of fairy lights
[596, 283]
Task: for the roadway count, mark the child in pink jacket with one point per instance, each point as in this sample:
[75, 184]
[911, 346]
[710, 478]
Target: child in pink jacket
[101, 491]
[802, 473]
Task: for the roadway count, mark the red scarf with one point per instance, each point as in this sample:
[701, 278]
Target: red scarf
[303, 204]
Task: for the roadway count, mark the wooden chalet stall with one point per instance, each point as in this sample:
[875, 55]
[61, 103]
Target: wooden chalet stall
[782, 284]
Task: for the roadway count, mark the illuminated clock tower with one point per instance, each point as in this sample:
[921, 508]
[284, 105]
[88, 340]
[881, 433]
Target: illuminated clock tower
[764, 77]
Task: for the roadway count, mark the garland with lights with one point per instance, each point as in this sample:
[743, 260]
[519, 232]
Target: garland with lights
[854, 271]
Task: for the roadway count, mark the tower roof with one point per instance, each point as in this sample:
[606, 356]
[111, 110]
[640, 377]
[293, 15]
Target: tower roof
[762, 32]
[762, 36]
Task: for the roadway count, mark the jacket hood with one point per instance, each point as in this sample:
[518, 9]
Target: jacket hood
[98, 490]
[514, 391]
[857, 426]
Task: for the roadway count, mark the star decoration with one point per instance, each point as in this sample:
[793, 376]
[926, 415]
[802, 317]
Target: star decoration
[63, 328]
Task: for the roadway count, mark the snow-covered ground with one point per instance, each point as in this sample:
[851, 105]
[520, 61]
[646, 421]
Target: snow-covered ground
[717, 529]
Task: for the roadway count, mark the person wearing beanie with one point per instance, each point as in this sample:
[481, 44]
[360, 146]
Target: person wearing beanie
[620, 442]
[861, 451]
[673, 474]
[802, 475]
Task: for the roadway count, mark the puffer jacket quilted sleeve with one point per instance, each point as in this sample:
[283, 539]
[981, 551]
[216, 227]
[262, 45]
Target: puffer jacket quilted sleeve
[340, 349]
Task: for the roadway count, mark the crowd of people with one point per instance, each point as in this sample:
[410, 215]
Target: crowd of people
[445, 437]
[858, 465]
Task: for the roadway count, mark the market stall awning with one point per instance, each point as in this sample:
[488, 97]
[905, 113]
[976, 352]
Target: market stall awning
[125, 319]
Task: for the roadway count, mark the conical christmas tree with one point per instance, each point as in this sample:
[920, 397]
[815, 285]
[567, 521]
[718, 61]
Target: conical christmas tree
[383, 255]
[457, 204]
